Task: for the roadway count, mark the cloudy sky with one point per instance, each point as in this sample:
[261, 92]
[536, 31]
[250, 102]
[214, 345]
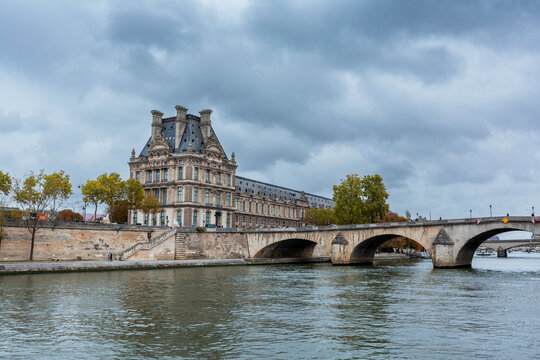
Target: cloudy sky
[442, 98]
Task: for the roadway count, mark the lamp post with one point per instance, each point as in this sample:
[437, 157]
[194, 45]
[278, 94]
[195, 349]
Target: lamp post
[490, 212]
[470, 213]
[533, 211]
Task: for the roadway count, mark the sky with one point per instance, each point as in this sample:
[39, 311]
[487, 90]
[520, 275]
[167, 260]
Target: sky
[441, 98]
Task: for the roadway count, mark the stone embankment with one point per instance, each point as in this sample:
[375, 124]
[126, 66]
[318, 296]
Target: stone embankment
[33, 267]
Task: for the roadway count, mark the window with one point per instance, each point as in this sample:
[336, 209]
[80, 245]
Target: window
[196, 174]
[249, 205]
[154, 219]
[165, 174]
[228, 179]
[289, 212]
[243, 205]
[256, 207]
[195, 218]
[162, 218]
[146, 219]
[274, 210]
[207, 218]
[164, 197]
[228, 199]
[138, 176]
[207, 197]
[219, 178]
[179, 217]
[195, 194]
[228, 221]
[218, 199]
[268, 210]
[156, 194]
[180, 173]
[158, 176]
[180, 194]
[236, 204]
[207, 175]
[149, 177]
[135, 218]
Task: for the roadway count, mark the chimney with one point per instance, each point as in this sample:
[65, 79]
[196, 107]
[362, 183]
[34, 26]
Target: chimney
[181, 122]
[205, 123]
[156, 124]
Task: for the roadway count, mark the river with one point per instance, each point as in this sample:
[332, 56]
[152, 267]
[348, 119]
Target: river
[402, 310]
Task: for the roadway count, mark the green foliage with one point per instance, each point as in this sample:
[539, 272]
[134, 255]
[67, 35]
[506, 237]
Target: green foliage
[93, 193]
[5, 183]
[150, 204]
[360, 200]
[320, 217]
[408, 214]
[39, 192]
[133, 194]
[200, 229]
[5, 188]
[112, 188]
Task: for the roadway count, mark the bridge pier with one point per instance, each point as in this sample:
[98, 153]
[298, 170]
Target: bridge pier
[502, 253]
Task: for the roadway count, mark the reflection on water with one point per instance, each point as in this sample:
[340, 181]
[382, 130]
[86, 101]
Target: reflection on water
[401, 310]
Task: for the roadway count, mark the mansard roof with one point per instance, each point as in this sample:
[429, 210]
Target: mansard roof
[192, 135]
[254, 187]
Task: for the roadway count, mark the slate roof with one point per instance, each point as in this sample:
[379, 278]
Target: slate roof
[192, 134]
[254, 187]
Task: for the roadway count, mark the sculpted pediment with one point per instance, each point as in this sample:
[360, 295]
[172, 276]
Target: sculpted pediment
[160, 146]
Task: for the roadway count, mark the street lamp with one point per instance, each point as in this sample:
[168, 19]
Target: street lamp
[533, 211]
[490, 212]
[470, 213]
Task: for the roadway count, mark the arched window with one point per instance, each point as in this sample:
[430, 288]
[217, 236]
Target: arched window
[162, 218]
[146, 219]
[179, 217]
[228, 220]
[135, 218]
[154, 219]
[207, 218]
[195, 218]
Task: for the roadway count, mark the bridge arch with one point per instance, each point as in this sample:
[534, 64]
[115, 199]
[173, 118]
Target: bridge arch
[364, 251]
[466, 252]
[288, 248]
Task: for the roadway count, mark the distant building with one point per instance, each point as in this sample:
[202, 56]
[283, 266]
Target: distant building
[185, 167]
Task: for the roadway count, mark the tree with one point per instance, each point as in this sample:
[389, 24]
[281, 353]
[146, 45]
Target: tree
[321, 217]
[408, 214]
[112, 188]
[150, 204]
[133, 194]
[93, 193]
[39, 192]
[69, 215]
[360, 200]
[5, 189]
[119, 212]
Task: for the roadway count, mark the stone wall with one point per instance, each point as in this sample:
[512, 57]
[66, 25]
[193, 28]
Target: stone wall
[70, 241]
[211, 245]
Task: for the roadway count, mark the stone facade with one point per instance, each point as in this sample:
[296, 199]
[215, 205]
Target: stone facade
[185, 167]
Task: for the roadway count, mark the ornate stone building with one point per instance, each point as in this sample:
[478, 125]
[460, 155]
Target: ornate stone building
[185, 167]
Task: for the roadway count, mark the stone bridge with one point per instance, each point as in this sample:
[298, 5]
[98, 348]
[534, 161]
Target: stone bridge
[451, 243]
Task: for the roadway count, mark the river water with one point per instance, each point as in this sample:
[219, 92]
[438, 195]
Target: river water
[402, 310]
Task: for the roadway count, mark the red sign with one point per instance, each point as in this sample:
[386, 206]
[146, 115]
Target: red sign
[477, 221]
[42, 217]
[534, 220]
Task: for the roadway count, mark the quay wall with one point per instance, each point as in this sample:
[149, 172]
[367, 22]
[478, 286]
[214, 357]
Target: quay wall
[71, 241]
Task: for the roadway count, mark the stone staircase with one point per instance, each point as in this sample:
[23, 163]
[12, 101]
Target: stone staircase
[146, 245]
[180, 246]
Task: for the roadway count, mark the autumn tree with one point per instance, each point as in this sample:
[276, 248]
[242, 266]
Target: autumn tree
[320, 217]
[93, 193]
[5, 189]
[113, 188]
[150, 204]
[69, 215]
[38, 193]
[360, 200]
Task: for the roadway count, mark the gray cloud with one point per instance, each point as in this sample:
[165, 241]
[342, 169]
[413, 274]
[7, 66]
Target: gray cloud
[438, 97]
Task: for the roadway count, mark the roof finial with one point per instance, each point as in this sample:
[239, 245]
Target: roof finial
[233, 158]
[133, 153]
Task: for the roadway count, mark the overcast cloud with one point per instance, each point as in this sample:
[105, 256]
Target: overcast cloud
[439, 97]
